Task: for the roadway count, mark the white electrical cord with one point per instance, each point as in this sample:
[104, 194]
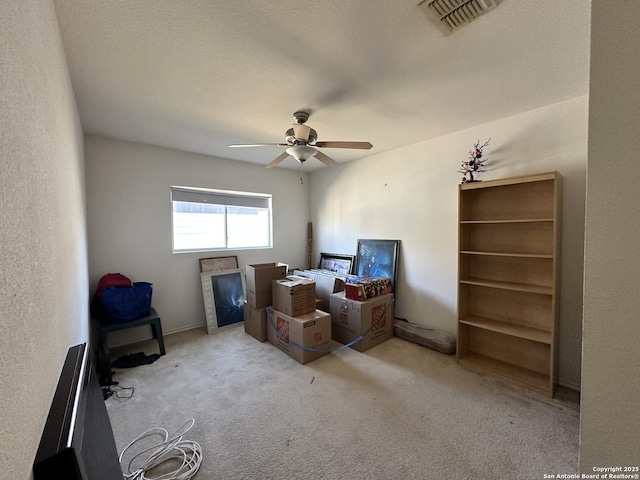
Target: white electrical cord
[190, 453]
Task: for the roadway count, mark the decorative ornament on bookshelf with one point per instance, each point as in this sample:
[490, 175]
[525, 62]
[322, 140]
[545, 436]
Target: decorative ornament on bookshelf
[475, 164]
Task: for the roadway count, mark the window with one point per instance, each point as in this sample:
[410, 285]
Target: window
[206, 219]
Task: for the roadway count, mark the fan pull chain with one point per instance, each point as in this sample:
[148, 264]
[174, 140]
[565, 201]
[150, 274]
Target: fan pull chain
[301, 182]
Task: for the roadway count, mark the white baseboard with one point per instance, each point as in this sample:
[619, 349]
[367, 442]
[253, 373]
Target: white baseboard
[119, 341]
[570, 386]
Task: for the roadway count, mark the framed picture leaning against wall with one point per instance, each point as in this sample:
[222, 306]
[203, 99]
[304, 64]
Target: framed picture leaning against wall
[224, 293]
[338, 263]
[378, 258]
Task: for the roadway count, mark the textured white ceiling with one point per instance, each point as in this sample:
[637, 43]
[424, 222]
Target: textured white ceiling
[197, 75]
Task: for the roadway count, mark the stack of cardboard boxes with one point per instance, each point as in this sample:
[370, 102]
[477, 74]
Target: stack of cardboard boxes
[283, 310]
[258, 280]
[295, 325]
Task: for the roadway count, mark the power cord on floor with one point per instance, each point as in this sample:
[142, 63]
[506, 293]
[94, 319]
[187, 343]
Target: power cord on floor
[112, 390]
[172, 447]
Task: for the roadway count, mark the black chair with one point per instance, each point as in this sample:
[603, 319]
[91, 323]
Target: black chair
[104, 358]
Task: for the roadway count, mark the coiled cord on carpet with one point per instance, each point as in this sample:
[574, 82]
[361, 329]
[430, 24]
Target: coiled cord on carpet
[171, 448]
[112, 390]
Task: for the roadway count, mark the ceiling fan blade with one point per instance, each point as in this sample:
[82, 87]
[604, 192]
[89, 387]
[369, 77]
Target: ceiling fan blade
[235, 145]
[359, 145]
[277, 160]
[301, 131]
[330, 162]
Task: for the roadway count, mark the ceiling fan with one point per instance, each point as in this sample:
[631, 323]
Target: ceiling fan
[302, 144]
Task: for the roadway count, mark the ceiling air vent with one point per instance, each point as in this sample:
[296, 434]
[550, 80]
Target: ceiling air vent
[450, 15]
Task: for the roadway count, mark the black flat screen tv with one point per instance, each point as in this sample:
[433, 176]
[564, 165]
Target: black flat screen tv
[77, 442]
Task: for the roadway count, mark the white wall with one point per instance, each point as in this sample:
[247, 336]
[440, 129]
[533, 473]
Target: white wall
[43, 264]
[610, 420]
[410, 194]
[129, 221]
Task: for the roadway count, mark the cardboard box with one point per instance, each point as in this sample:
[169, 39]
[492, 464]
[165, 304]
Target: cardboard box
[259, 279]
[362, 288]
[352, 318]
[325, 286]
[312, 330]
[255, 322]
[326, 283]
[294, 297]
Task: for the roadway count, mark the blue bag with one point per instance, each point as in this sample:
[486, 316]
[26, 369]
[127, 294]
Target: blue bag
[124, 304]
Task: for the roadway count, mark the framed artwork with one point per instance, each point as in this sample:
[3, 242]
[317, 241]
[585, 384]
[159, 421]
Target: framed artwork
[224, 293]
[378, 258]
[338, 263]
[218, 263]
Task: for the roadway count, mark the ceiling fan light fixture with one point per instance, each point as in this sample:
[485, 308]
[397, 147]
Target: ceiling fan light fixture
[450, 15]
[302, 143]
[301, 152]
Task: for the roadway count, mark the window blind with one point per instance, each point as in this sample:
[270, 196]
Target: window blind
[216, 197]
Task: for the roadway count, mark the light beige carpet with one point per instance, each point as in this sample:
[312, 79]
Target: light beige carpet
[397, 411]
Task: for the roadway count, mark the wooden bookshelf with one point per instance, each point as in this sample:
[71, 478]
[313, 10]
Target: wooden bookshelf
[509, 279]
